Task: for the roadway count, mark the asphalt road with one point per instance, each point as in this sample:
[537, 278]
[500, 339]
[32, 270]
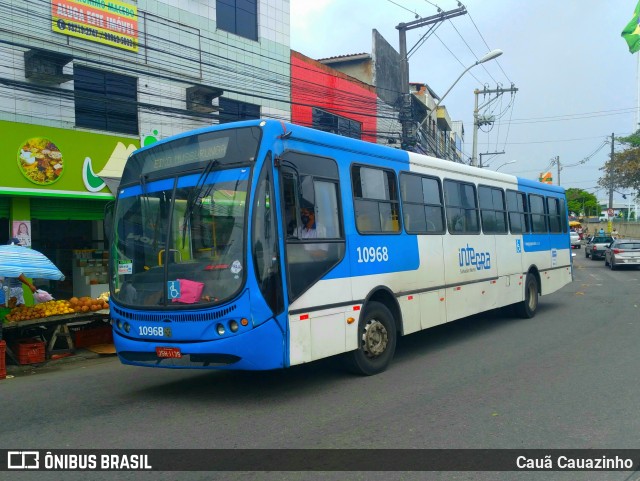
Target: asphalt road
[566, 379]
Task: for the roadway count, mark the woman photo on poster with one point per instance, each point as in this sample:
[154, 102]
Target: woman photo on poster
[22, 233]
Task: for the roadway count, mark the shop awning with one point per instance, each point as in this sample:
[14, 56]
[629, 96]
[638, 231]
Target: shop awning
[111, 173]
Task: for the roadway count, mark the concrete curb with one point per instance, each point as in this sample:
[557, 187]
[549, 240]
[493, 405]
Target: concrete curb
[79, 356]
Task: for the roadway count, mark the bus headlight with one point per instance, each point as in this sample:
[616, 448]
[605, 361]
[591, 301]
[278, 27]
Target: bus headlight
[233, 326]
[220, 329]
[127, 327]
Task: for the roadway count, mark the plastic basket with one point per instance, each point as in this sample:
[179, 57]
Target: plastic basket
[3, 365]
[29, 351]
[92, 336]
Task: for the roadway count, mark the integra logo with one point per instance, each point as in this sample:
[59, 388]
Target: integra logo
[472, 260]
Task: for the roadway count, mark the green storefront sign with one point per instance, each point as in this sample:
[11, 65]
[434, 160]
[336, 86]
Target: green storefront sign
[47, 161]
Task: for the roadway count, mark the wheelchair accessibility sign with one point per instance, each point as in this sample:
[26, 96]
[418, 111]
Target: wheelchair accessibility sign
[173, 289]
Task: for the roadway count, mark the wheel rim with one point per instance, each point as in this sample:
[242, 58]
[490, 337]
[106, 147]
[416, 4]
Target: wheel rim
[532, 296]
[375, 339]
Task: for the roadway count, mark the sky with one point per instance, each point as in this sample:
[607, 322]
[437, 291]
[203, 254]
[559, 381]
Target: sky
[577, 82]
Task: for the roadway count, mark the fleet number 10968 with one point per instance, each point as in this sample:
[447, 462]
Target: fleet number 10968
[372, 254]
[150, 331]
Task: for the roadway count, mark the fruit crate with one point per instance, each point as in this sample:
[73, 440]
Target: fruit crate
[90, 336]
[3, 366]
[29, 351]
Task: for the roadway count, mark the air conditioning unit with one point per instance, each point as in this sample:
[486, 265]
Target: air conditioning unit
[200, 98]
[46, 67]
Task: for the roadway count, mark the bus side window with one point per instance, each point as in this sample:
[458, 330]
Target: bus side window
[375, 200]
[289, 187]
[310, 191]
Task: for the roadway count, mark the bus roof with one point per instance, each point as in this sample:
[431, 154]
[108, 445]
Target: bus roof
[382, 152]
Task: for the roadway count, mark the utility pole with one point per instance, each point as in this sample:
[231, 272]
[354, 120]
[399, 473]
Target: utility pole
[488, 153]
[611, 175]
[408, 124]
[477, 121]
[559, 168]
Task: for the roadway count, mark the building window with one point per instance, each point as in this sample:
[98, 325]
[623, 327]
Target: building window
[238, 16]
[328, 122]
[105, 100]
[462, 207]
[422, 207]
[233, 110]
[375, 200]
[492, 210]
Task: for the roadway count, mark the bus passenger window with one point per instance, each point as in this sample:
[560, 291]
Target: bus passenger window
[462, 207]
[376, 205]
[421, 204]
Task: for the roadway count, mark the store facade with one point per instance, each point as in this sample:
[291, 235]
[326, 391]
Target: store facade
[52, 199]
[85, 83]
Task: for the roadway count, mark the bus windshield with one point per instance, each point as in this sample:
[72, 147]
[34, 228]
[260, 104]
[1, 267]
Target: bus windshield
[180, 241]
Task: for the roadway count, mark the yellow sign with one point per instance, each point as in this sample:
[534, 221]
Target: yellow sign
[109, 22]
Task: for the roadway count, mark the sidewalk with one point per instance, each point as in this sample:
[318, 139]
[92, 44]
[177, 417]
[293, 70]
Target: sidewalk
[57, 361]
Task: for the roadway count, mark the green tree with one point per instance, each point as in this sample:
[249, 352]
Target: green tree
[582, 202]
[623, 171]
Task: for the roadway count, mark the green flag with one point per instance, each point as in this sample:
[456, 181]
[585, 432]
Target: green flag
[631, 32]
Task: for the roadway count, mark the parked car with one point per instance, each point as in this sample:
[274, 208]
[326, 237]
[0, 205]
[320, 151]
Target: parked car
[596, 246]
[622, 252]
[576, 243]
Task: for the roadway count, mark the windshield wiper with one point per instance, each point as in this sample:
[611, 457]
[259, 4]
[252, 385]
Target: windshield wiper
[194, 195]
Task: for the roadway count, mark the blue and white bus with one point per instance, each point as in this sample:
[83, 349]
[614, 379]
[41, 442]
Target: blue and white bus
[261, 245]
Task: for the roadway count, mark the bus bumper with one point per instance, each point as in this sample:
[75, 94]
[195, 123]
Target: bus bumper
[261, 348]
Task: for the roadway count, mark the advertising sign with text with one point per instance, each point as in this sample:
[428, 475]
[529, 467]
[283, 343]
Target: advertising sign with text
[109, 22]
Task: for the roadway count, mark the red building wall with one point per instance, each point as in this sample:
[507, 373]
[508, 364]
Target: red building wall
[316, 85]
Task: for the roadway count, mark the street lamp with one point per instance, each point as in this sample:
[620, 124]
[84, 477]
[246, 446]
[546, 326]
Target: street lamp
[506, 163]
[488, 56]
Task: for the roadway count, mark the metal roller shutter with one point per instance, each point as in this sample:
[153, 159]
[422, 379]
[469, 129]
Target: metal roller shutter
[4, 207]
[67, 209]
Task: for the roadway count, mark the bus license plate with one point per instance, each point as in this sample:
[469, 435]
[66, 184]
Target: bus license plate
[165, 352]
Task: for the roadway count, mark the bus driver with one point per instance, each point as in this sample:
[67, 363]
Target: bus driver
[311, 230]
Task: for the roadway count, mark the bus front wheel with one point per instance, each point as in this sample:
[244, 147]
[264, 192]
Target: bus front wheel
[376, 341]
[529, 306]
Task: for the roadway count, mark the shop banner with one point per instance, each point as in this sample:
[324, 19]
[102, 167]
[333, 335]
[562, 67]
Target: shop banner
[39, 160]
[109, 22]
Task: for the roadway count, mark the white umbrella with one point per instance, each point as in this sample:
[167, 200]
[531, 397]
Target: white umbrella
[16, 260]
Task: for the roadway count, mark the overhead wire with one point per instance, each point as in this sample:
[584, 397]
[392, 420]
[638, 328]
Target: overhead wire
[259, 83]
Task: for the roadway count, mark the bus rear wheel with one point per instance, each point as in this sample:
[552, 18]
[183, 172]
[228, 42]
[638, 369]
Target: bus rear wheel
[529, 306]
[376, 341]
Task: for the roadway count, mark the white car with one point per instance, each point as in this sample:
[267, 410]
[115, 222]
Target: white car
[576, 243]
[622, 252]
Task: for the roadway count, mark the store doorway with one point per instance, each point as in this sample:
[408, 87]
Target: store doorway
[57, 239]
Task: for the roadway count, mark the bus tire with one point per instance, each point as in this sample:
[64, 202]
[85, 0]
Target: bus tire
[529, 306]
[376, 341]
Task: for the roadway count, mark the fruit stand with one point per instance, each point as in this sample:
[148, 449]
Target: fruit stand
[53, 320]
